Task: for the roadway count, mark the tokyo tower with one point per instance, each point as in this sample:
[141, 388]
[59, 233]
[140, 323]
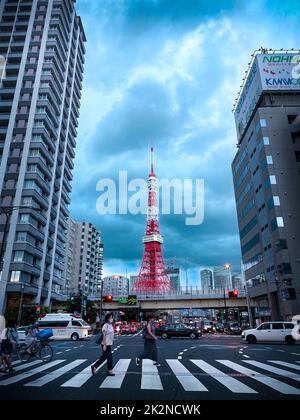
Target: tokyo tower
[152, 276]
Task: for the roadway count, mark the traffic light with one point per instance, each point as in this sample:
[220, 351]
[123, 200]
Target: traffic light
[233, 293]
[108, 298]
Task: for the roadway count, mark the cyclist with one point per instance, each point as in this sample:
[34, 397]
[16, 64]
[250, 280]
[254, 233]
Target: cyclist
[9, 339]
[31, 337]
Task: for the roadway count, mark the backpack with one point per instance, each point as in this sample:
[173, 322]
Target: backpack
[145, 333]
[99, 337]
[6, 344]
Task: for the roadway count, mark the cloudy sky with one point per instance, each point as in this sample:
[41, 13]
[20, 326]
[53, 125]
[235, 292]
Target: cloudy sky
[167, 72]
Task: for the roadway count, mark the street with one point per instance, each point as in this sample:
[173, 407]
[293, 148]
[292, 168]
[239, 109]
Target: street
[213, 367]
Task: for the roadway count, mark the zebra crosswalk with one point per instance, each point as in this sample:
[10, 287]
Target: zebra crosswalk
[192, 375]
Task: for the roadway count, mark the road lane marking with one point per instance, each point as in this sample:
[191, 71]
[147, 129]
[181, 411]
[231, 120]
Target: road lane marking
[273, 369]
[296, 354]
[231, 383]
[59, 352]
[187, 380]
[120, 370]
[68, 350]
[56, 373]
[179, 357]
[245, 355]
[81, 378]
[150, 376]
[26, 365]
[266, 380]
[32, 372]
[286, 364]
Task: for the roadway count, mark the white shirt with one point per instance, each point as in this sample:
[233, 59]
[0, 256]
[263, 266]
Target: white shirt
[109, 334]
[296, 332]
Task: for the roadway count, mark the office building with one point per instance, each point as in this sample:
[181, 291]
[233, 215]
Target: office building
[206, 277]
[266, 175]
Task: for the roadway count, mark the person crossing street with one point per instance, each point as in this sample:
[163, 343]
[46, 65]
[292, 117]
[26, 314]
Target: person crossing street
[107, 342]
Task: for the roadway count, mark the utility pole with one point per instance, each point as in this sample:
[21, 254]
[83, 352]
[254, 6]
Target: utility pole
[225, 305]
[247, 296]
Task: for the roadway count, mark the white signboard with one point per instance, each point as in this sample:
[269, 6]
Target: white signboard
[269, 72]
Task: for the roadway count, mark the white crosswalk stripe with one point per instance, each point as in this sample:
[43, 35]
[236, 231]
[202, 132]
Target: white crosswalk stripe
[81, 378]
[32, 372]
[150, 376]
[273, 369]
[231, 383]
[266, 380]
[120, 370]
[187, 380]
[26, 365]
[56, 374]
[285, 364]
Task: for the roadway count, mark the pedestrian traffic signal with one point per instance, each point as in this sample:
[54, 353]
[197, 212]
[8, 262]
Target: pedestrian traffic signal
[233, 293]
[108, 298]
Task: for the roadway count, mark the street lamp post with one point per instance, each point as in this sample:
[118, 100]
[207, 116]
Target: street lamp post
[227, 266]
[21, 303]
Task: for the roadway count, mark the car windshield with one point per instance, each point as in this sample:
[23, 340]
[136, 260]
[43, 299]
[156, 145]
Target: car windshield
[84, 323]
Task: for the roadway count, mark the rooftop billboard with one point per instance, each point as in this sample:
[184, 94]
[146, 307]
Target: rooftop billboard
[269, 72]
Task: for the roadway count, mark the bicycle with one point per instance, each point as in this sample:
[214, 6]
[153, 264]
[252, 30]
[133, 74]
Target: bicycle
[39, 348]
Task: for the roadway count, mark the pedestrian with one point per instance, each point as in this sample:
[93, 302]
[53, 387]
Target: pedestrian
[296, 331]
[9, 339]
[150, 348]
[2, 323]
[106, 344]
[31, 334]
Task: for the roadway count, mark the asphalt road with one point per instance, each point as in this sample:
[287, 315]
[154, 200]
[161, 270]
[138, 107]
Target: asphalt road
[213, 367]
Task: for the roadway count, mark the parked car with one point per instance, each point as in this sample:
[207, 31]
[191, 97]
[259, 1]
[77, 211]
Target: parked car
[219, 327]
[208, 326]
[22, 333]
[132, 329]
[270, 331]
[177, 330]
[232, 328]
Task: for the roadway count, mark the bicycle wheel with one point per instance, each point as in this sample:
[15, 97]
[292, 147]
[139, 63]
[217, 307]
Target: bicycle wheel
[23, 355]
[46, 353]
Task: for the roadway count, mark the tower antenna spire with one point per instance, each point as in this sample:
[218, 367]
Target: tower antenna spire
[152, 160]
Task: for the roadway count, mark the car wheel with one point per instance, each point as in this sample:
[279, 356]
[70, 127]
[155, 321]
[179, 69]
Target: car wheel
[74, 337]
[164, 335]
[192, 335]
[289, 340]
[251, 339]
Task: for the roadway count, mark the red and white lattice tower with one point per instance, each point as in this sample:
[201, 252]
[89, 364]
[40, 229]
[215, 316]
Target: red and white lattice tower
[152, 276]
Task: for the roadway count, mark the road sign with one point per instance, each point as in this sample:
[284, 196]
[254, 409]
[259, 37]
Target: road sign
[132, 300]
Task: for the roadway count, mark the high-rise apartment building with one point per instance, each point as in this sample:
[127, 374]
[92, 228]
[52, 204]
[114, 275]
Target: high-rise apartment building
[206, 277]
[42, 46]
[84, 259]
[266, 175]
[116, 285]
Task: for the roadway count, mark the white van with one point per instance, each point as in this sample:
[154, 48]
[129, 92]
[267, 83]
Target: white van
[65, 326]
[270, 331]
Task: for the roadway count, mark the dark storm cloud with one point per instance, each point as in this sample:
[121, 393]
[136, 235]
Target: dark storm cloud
[166, 72]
